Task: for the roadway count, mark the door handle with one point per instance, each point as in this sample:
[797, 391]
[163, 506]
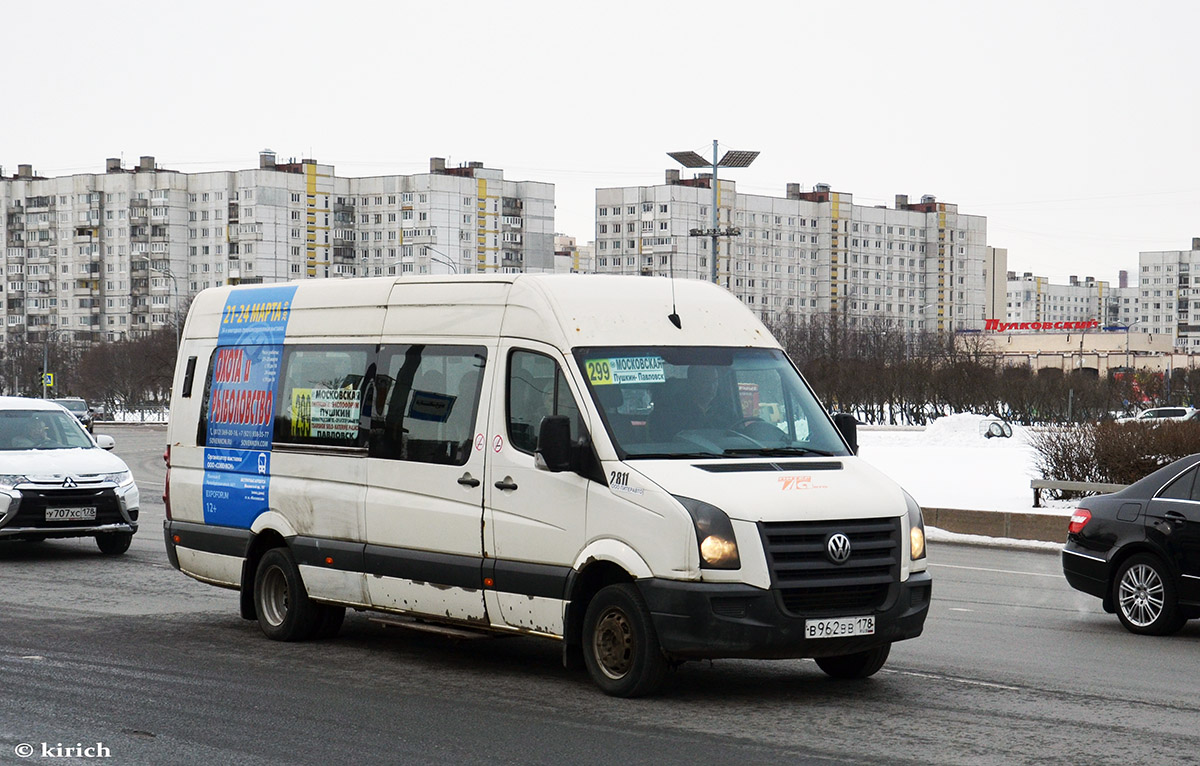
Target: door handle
[506, 483]
[467, 480]
[1175, 517]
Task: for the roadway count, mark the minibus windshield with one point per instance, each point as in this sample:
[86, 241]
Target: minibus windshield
[688, 402]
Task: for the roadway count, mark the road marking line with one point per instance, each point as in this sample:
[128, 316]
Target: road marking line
[951, 679]
[999, 571]
[960, 609]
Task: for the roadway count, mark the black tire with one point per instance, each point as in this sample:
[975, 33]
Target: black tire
[285, 612]
[330, 619]
[1145, 597]
[857, 665]
[620, 647]
[114, 543]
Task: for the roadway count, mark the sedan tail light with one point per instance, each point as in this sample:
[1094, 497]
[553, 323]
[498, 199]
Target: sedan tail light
[1079, 520]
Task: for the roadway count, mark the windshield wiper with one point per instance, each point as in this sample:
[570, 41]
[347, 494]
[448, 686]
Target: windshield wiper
[778, 451]
[670, 455]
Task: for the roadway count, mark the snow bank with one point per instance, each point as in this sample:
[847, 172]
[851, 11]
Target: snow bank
[951, 464]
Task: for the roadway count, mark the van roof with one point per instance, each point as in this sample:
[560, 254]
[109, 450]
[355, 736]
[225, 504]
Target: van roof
[567, 310]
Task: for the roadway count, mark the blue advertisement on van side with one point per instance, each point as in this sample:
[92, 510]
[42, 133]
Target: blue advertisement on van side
[241, 405]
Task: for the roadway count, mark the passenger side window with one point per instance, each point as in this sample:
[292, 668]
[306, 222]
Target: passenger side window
[320, 396]
[1181, 488]
[425, 400]
[537, 388]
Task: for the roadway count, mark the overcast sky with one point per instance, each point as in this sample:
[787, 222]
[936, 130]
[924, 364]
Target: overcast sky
[1072, 126]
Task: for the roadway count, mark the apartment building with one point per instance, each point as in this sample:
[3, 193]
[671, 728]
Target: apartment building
[917, 266]
[1033, 298]
[93, 257]
[571, 257]
[1169, 302]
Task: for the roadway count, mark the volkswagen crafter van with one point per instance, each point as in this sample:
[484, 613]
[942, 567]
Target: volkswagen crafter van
[629, 465]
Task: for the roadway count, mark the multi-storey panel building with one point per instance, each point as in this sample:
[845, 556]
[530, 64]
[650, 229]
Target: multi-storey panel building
[1036, 299]
[95, 256]
[917, 266]
[1169, 302]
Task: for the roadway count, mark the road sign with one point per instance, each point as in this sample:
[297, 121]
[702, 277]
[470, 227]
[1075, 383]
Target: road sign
[48, 379]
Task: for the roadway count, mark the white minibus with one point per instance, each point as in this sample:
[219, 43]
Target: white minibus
[629, 465]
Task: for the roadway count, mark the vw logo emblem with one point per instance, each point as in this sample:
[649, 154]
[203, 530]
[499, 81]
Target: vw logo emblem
[838, 548]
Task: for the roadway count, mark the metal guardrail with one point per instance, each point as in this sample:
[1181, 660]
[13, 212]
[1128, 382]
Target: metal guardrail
[1071, 486]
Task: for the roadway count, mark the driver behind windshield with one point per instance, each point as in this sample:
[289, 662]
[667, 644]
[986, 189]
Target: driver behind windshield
[34, 434]
[666, 402]
[689, 403]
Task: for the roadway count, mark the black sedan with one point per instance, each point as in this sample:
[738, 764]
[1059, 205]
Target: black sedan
[1139, 549]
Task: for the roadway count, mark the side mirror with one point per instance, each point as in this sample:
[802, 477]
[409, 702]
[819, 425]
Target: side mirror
[848, 427]
[104, 441]
[554, 444]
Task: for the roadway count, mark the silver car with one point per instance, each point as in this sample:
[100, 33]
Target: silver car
[57, 480]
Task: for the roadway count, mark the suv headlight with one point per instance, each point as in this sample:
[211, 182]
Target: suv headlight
[120, 478]
[916, 529]
[714, 535]
[10, 480]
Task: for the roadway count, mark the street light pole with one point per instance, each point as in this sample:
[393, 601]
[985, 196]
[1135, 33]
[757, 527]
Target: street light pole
[174, 293]
[732, 159]
[445, 260]
[1131, 324]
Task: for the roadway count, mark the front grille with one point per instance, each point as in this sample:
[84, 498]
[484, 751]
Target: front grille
[34, 502]
[808, 582]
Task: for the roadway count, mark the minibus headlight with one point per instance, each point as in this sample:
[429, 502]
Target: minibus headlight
[714, 535]
[916, 529]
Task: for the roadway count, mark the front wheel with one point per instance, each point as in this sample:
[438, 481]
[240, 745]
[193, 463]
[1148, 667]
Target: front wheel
[285, 612]
[1144, 593]
[114, 543]
[620, 648]
[857, 665]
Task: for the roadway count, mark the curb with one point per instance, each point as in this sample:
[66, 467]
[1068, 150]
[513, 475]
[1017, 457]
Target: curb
[1010, 525]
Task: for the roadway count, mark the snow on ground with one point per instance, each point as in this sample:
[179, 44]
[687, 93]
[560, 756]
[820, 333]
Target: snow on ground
[950, 464]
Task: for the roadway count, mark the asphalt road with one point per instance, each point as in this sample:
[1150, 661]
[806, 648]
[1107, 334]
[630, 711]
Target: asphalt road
[128, 654]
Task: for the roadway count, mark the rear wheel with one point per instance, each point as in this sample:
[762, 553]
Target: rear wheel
[857, 665]
[285, 612]
[620, 648]
[1144, 594]
[114, 543]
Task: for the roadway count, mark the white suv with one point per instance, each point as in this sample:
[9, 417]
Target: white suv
[56, 480]
[1160, 413]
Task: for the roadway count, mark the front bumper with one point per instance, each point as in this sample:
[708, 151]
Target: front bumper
[23, 512]
[708, 620]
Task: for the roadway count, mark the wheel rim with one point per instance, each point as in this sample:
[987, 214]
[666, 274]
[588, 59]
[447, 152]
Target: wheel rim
[274, 595]
[1141, 595]
[613, 644]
